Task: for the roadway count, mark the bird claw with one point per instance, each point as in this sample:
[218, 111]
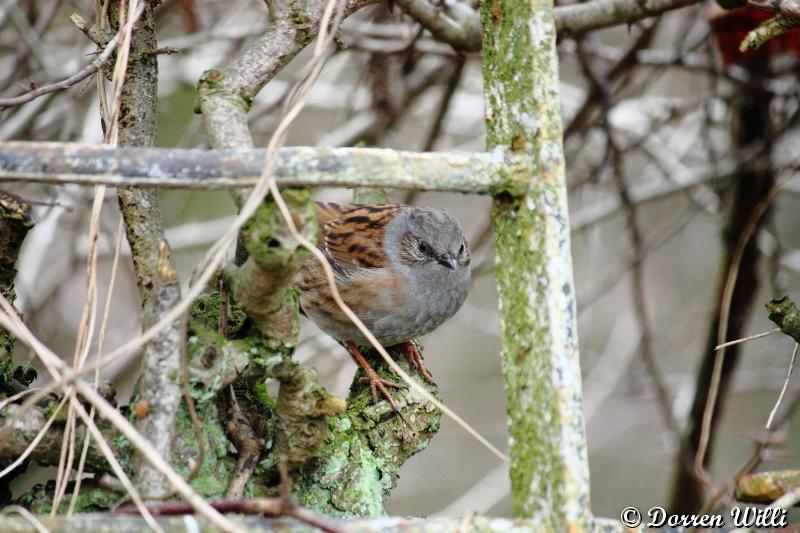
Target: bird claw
[415, 358]
[377, 383]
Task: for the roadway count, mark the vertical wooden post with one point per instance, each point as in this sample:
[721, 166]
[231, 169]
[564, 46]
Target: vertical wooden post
[549, 470]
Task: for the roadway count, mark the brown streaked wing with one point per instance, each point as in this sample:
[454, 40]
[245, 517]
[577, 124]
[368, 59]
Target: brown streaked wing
[352, 235]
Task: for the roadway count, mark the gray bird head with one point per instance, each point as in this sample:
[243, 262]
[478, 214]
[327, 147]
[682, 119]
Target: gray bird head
[430, 244]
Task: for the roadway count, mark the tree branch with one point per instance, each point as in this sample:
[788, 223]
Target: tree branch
[224, 95]
[159, 384]
[15, 222]
[61, 163]
[462, 29]
[786, 316]
[459, 26]
[103, 523]
[541, 368]
[576, 19]
[17, 434]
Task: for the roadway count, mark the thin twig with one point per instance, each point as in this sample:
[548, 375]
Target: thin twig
[101, 339]
[82, 74]
[784, 388]
[15, 397]
[750, 338]
[727, 296]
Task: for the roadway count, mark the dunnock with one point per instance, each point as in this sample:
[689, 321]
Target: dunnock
[402, 270]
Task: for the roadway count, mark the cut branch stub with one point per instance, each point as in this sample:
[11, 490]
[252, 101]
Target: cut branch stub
[786, 316]
[766, 487]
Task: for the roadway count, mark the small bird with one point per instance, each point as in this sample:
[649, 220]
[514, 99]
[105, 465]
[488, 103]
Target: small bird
[402, 270]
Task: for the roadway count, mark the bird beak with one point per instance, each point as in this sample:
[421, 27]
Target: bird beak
[447, 261]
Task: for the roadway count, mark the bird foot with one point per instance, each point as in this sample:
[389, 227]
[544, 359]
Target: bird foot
[415, 358]
[376, 383]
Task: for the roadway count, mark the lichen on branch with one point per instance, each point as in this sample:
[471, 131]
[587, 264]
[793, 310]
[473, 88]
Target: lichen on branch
[262, 285]
[15, 222]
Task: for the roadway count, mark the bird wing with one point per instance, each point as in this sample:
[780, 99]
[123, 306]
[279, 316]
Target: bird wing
[351, 235]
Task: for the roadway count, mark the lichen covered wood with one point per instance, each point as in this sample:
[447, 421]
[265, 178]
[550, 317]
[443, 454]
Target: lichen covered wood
[46, 162]
[549, 471]
[15, 221]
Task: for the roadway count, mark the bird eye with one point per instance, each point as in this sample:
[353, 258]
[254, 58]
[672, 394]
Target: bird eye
[423, 247]
[461, 249]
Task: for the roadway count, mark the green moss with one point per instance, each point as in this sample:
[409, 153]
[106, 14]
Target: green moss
[266, 236]
[508, 71]
[526, 350]
[205, 310]
[786, 316]
[215, 472]
[355, 469]
[213, 82]
[92, 498]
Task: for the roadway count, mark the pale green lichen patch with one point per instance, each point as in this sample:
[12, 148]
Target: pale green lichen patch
[214, 473]
[357, 465]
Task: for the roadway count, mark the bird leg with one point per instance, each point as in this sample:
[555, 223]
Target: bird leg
[376, 383]
[415, 358]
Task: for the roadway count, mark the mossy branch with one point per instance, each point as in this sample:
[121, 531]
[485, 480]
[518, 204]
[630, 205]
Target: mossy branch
[262, 286]
[15, 222]
[356, 467]
[17, 431]
[159, 384]
[786, 316]
[541, 368]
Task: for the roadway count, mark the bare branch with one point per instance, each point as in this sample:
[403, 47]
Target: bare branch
[225, 95]
[79, 76]
[576, 19]
[101, 522]
[462, 31]
[459, 26]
